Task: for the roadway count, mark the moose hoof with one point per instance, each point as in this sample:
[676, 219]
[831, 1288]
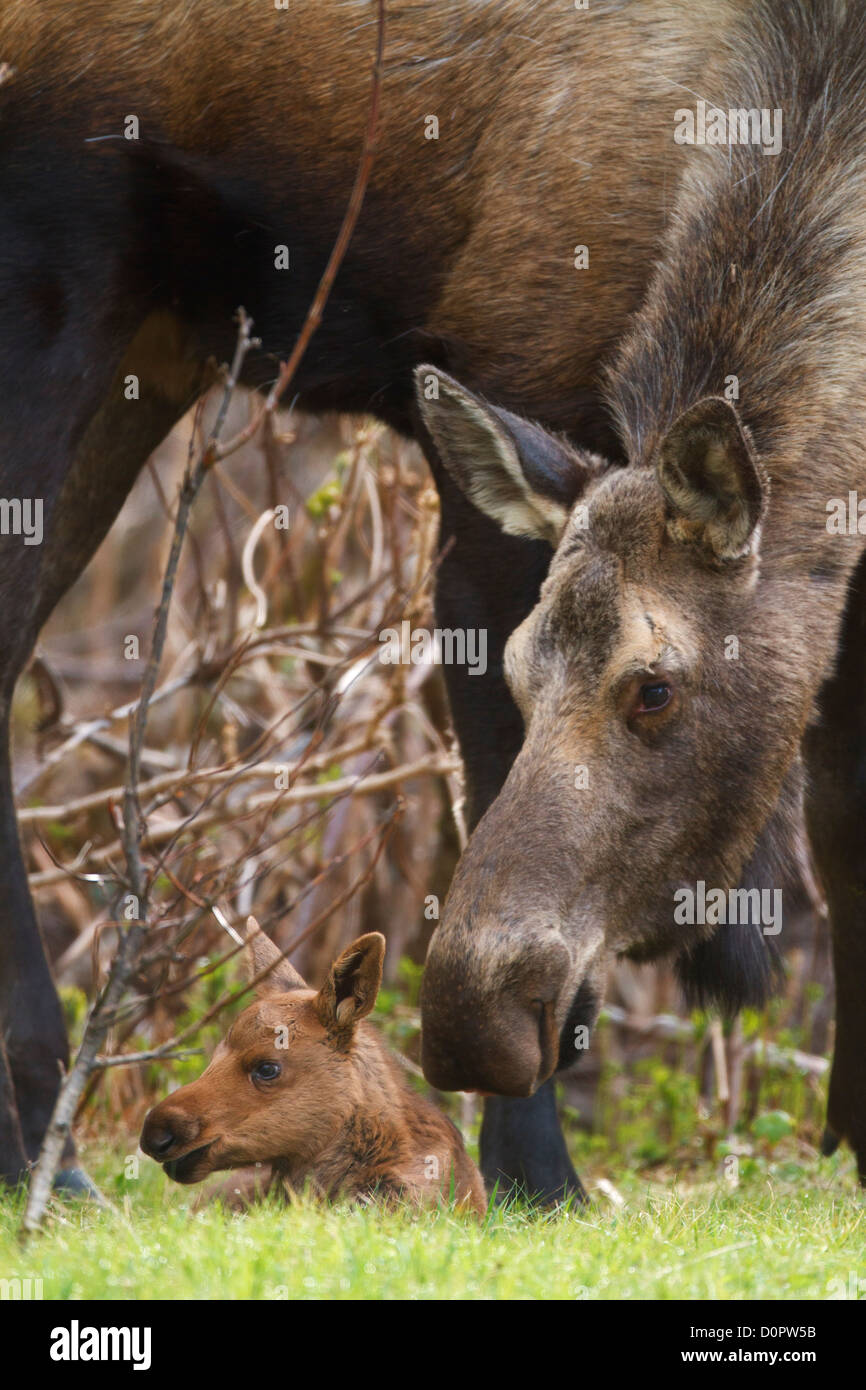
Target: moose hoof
[832, 1138]
[830, 1142]
[74, 1182]
[541, 1194]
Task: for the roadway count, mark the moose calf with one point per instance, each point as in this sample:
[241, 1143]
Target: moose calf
[301, 1084]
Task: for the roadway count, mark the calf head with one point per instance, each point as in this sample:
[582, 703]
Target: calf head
[656, 661]
[278, 1089]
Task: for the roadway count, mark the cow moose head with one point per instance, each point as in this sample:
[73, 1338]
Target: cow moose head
[659, 656]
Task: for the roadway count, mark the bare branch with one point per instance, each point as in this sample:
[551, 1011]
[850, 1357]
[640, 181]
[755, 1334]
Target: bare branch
[134, 835]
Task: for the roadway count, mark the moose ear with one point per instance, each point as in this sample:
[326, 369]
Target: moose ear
[260, 953]
[523, 478]
[353, 983]
[713, 480]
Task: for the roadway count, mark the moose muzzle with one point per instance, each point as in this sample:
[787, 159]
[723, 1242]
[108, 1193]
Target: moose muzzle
[490, 1011]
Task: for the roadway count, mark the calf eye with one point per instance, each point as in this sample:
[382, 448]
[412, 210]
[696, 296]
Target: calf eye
[266, 1071]
[653, 696]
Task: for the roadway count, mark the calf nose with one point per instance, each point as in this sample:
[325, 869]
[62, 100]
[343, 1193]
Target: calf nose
[164, 1132]
[157, 1142]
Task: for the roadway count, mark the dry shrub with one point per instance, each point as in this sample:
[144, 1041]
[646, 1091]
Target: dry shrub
[272, 779]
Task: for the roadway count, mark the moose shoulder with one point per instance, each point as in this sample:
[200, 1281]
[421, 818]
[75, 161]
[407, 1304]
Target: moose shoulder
[699, 636]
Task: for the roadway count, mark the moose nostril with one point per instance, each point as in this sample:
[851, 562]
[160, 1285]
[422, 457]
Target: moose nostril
[160, 1141]
[548, 1037]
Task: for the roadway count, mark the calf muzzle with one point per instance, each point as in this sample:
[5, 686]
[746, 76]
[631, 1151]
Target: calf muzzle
[169, 1135]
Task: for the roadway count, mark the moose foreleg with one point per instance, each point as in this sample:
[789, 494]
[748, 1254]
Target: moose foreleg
[489, 582]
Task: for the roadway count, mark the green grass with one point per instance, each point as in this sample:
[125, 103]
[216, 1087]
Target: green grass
[770, 1237]
[705, 1214]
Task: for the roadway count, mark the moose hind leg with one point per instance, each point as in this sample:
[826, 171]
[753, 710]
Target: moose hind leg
[35, 1034]
[13, 1159]
[836, 816]
[85, 487]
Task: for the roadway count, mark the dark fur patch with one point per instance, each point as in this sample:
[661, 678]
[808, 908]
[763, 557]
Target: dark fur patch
[583, 1013]
[737, 968]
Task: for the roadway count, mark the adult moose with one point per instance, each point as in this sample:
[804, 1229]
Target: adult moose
[129, 257]
[700, 640]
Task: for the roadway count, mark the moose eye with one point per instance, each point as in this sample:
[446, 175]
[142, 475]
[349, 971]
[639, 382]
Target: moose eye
[654, 696]
[266, 1071]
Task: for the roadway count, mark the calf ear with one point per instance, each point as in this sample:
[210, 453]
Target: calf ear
[353, 983]
[260, 953]
[525, 479]
[713, 481]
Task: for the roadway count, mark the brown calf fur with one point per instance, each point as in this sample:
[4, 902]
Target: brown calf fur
[302, 1085]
